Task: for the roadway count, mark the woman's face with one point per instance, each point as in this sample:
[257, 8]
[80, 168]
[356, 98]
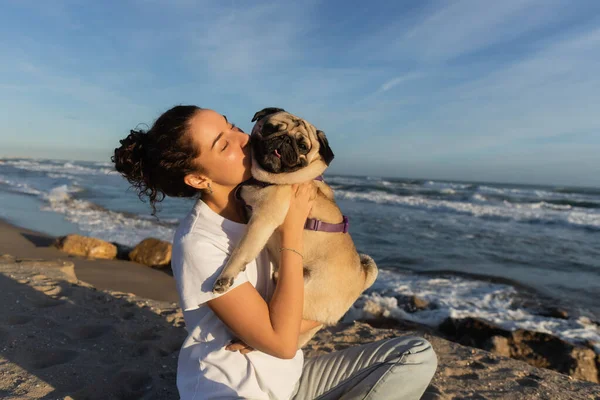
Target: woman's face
[224, 148]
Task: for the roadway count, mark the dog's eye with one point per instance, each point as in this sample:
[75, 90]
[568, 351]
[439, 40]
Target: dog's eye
[302, 146]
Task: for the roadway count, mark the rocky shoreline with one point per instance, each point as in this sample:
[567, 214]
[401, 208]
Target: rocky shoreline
[63, 338]
[542, 350]
[464, 372]
[131, 342]
[538, 349]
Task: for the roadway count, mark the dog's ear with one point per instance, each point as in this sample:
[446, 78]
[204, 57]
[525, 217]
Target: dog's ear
[324, 149]
[266, 111]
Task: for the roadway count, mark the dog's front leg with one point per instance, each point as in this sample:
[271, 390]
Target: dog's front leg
[269, 210]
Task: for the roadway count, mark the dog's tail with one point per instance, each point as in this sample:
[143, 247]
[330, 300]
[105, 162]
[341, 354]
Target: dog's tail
[369, 268]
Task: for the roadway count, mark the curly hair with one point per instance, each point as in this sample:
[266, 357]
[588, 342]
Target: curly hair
[156, 161]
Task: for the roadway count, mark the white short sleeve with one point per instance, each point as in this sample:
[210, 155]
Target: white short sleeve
[201, 263]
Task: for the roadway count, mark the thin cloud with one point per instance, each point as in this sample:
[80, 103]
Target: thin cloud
[462, 27]
[399, 80]
[250, 39]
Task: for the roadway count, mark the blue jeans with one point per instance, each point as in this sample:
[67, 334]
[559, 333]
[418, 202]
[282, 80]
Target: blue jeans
[397, 368]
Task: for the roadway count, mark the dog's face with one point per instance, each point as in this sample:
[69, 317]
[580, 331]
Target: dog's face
[284, 143]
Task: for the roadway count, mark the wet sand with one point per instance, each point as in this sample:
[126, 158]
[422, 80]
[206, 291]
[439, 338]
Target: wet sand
[103, 274]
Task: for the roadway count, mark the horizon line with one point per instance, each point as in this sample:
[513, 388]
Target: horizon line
[554, 185]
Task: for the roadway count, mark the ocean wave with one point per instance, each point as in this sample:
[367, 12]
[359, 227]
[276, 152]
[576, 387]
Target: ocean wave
[449, 185]
[479, 197]
[113, 226]
[555, 204]
[62, 167]
[527, 212]
[103, 164]
[19, 187]
[579, 191]
[94, 220]
[581, 198]
[344, 180]
[397, 189]
[514, 191]
[532, 197]
[461, 298]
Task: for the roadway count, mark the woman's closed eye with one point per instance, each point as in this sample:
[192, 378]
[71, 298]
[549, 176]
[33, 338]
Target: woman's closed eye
[227, 142]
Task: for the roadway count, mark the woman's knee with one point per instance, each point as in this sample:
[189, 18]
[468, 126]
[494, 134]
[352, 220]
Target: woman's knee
[408, 350]
[410, 372]
[422, 354]
[411, 350]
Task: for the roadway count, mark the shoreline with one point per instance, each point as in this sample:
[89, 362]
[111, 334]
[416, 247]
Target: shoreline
[153, 284]
[119, 275]
[64, 338]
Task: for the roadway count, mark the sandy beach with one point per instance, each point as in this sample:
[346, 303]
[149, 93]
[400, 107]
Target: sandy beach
[103, 329]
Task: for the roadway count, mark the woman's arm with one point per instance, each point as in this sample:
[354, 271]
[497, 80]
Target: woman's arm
[273, 328]
[307, 325]
[238, 345]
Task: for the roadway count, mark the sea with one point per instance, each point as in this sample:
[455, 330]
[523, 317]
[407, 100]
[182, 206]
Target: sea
[504, 253]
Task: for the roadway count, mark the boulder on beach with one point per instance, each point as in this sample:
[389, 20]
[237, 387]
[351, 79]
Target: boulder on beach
[152, 252]
[84, 246]
[535, 348]
[413, 303]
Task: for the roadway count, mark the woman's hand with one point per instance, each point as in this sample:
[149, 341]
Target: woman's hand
[301, 202]
[238, 345]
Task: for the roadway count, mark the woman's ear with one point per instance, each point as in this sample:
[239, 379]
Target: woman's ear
[196, 181]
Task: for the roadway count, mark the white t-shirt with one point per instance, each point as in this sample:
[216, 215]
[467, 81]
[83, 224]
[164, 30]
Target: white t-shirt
[201, 246]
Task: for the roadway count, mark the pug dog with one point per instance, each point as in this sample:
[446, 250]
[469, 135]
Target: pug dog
[286, 150]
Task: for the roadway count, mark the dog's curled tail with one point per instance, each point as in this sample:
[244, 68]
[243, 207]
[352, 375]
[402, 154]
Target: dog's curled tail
[370, 269]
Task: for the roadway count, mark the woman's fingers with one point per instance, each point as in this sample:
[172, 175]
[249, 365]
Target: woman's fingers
[239, 346]
[304, 189]
[313, 192]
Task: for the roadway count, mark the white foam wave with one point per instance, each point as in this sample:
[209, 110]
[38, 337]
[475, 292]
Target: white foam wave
[104, 224]
[543, 204]
[461, 298]
[542, 194]
[343, 180]
[448, 191]
[507, 210]
[58, 176]
[104, 164]
[535, 193]
[479, 197]
[61, 193]
[447, 185]
[60, 168]
[19, 186]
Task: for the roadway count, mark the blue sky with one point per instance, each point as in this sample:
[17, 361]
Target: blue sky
[473, 90]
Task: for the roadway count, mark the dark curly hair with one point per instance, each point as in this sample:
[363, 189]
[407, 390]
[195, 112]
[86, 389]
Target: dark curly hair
[156, 161]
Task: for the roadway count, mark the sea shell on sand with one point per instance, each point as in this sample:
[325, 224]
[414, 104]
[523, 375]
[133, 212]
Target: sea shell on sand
[84, 246]
[152, 252]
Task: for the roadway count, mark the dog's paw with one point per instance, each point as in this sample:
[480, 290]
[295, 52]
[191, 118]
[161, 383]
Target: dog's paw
[222, 284]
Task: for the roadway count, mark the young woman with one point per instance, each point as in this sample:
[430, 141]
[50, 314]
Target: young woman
[243, 344]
